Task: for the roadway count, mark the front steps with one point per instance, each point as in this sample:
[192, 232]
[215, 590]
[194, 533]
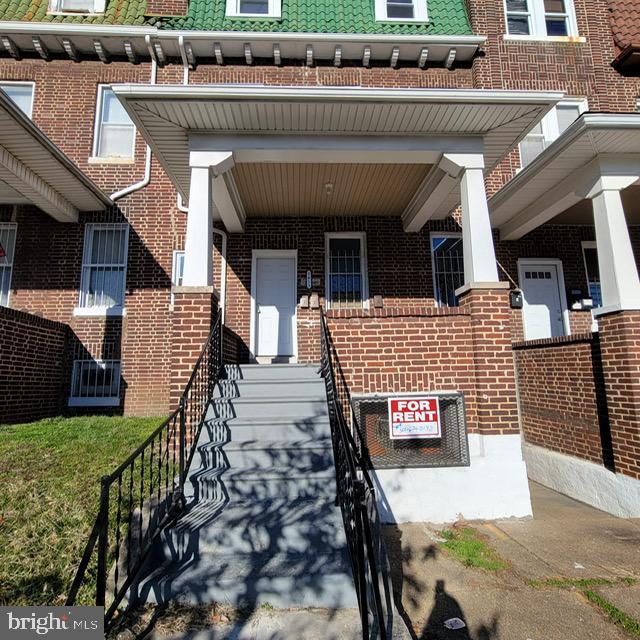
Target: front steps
[261, 526]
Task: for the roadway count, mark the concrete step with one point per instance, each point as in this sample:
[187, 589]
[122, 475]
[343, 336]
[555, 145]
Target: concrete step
[286, 526]
[258, 429]
[271, 371]
[250, 580]
[269, 388]
[278, 407]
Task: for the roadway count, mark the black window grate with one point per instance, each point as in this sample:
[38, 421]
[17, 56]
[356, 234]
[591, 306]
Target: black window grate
[451, 450]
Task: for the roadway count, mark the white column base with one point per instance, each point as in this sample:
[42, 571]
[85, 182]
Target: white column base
[494, 486]
[585, 481]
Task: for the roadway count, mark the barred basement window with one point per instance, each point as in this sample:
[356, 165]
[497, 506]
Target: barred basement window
[448, 267]
[104, 265]
[346, 271]
[7, 248]
[115, 133]
[95, 383]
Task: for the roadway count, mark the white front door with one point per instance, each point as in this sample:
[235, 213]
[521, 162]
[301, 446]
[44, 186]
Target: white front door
[544, 305]
[275, 305]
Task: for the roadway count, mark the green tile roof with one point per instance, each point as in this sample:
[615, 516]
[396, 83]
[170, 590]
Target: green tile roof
[446, 17]
[118, 12]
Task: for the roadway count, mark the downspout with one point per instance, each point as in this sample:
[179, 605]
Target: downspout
[181, 207]
[147, 165]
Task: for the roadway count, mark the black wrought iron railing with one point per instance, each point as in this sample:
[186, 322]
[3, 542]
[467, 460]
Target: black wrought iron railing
[355, 495]
[146, 492]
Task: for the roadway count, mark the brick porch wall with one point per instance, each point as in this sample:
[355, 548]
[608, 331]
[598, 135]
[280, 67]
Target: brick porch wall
[620, 343]
[32, 366]
[563, 404]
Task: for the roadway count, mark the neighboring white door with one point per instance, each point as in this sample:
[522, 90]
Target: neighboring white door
[544, 301]
[275, 305]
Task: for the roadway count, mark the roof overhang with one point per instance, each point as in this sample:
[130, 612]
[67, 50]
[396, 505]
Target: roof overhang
[628, 60]
[566, 172]
[33, 170]
[107, 42]
[319, 124]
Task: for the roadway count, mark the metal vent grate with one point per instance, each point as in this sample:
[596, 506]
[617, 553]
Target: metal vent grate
[451, 450]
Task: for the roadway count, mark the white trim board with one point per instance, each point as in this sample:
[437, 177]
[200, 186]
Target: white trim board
[272, 253]
[586, 481]
[493, 486]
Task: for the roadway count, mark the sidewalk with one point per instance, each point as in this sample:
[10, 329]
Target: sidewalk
[565, 540]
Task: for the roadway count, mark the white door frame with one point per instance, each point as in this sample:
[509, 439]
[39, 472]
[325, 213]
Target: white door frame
[272, 253]
[522, 262]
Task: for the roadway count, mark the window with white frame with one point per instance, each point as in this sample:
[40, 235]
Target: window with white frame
[177, 270]
[554, 124]
[21, 93]
[401, 10]
[592, 269]
[95, 383]
[254, 8]
[7, 249]
[115, 133]
[77, 6]
[346, 271]
[448, 267]
[540, 18]
[104, 266]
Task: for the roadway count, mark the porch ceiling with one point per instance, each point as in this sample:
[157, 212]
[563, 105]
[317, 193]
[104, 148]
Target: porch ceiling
[294, 189]
[558, 180]
[33, 167]
[168, 115]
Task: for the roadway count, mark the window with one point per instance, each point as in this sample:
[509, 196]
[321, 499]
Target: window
[104, 266]
[177, 270]
[7, 248]
[541, 18]
[592, 268]
[21, 93]
[554, 124]
[448, 267]
[95, 383]
[346, 271]
[77, 6]
[401, 10]
[254, 8]
[114, 131]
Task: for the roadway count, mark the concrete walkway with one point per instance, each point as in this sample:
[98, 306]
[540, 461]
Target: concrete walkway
[565, 539]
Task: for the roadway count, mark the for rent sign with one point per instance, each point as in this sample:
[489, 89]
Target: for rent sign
[414, 417]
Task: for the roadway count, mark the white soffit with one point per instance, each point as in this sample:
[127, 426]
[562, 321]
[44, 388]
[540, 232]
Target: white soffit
[166, 114]
[591, 136]
[33, 166]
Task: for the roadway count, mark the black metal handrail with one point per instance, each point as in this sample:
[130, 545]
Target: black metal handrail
[354, 490]
[146, 492]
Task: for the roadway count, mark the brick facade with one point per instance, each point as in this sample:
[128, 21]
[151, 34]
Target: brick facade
[32, 366]
[563, 403]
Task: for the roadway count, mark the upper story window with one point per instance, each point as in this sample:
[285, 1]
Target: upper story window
[114, 132]
[254, 8]
[104, 266]
[21, 93]
[549, 128]
[77, 6]
[401, 10]
[541, 18]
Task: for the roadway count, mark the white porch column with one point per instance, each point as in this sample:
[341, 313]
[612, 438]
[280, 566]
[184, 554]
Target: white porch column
[477, 239]
[198, 248]
[618, 270]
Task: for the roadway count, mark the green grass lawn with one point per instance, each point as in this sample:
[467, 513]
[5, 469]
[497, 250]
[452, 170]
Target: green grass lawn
[49, 490]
